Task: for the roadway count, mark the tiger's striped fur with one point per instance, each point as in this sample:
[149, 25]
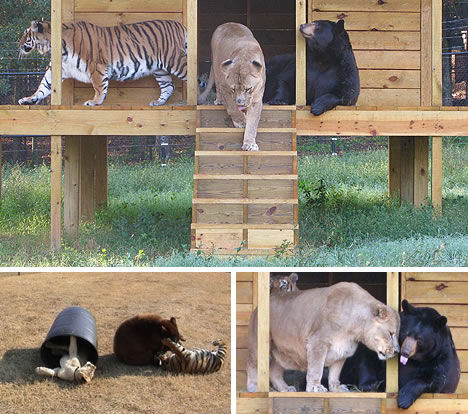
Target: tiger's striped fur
[192, 361]
[96, 55]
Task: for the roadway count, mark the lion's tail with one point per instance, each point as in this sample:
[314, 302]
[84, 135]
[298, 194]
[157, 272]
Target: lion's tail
[202, 98]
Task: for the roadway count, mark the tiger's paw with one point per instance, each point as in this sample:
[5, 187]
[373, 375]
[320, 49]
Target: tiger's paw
[91, 103]
[159, 102]
[250, 147]
[28, 100]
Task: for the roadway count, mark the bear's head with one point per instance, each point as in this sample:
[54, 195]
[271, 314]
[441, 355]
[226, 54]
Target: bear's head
[421, 331]
[170, 330]
[322, 34]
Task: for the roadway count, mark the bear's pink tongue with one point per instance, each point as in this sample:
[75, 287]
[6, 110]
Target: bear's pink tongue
[403, 359]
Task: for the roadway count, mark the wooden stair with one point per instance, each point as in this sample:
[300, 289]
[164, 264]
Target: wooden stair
[245, 202]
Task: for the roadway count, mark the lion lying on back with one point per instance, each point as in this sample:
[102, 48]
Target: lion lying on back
[238, 69]
[317, 328]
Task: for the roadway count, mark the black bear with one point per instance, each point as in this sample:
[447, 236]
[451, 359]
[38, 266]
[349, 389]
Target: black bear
[332, 73]
[428, 359]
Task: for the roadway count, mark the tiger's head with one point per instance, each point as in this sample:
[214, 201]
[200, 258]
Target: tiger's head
[37, 36]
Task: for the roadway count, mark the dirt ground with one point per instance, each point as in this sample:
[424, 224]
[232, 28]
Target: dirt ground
[30, 302]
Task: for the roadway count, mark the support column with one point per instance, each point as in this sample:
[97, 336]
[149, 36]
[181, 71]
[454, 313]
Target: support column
[436, 184]
[394, 302]
[191, 8]
[263, 347]
[301, 17]
[56, 191]
[100, 170]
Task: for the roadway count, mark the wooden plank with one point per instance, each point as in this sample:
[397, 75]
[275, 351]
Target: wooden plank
[244, 276]
[243, 311]
[241, 359]
[430, 406]
[328, 395]
[192, 53]
[274, 214]
[134, 6]
[393, 300]
[244, 292]
[117, 18]
[126, 96]
[236, 130]
[457, 315]
[455, 276]
[71, 197]
[298, 405]
[460, 337]
[87, 198]
[390, 79]
[264, 226]
[243, 201]
[394, 166]
[382, 123]
[270, 238]
[437, 292]
[389, 97]
[241, 381]
[426, 52]
[233, 141]
[355, 406]
[368, 5]
[462, 387]
[375, 21]
[241, 336]
[246, 153]
[463, 357]
[214, 239]
[245, 177]
[252, 405]
[436, 52]
[269, 118]
[220, 189]
[264, 188]
[381, 59]
[300, 54]
[100, 170]
[263, 330]
[55, 191]
[150, 121]
[217, 214]
[270, 164]
[436, 176]
[56, 51]
[213, 164]
[421, 166]
[385, 40]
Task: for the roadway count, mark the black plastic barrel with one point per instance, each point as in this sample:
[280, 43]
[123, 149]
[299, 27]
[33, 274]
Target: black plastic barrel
[76, 321]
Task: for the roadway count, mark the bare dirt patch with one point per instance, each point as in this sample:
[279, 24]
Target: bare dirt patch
[30, 302]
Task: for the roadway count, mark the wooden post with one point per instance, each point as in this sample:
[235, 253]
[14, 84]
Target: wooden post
[263, 353]
[87, 178]
[392, 301]
[421, 165]
[100, 170]
[71, 196]
[56, 140]
[436, 185]
[192, 55]
[301, 17]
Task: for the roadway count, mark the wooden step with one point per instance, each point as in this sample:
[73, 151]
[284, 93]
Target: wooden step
[245, 153]
[245, 177]
[237, 226]
[236, 130]
[244, 201]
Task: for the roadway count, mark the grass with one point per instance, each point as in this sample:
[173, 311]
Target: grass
[112, 298]
[346, 218]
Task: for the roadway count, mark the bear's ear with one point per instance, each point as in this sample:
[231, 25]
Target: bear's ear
[381, 312]
[294, 277]
[339, 26]
[407, 307]
[173, 321]
[441, 322]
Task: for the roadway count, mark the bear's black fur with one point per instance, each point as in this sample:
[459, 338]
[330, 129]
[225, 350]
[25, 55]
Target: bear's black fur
[332, 73]
[431, 362]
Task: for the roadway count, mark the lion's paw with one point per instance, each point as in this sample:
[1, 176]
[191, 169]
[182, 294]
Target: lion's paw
[239, 124]
[250, 147]
[316, 388]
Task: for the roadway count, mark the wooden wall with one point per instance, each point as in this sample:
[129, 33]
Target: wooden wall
[387, 40]
[448, 294]
[114, 12]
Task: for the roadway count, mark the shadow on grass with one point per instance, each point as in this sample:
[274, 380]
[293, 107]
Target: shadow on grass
[17, 367]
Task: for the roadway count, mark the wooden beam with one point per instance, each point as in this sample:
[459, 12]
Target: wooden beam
[192, 55]
[56, 51]
[394, 302]
[301, 17]
[100, 170]
[263, 343]
[55, 191]
[71, 194]
[421, 166]
[96, 122]
[436, 52]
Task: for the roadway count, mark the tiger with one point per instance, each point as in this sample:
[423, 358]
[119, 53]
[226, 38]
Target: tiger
[192, 361]
[96, 55]
[280, 283]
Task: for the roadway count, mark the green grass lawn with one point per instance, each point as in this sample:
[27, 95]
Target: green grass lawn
[346, 218]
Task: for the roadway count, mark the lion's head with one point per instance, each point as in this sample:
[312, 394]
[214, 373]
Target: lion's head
[381, 331]
[243, 80]
[37, 36]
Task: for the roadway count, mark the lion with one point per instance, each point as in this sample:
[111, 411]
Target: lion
[238, 70]
[316, 328]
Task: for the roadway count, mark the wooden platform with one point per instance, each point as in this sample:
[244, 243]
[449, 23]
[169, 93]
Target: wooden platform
[245, 202]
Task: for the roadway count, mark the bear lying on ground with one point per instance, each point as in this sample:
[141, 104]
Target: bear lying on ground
[332, 73]
[428, 359]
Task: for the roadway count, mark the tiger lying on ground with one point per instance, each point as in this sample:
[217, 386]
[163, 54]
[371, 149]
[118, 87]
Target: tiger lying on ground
[192, 361]
[96, 55]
